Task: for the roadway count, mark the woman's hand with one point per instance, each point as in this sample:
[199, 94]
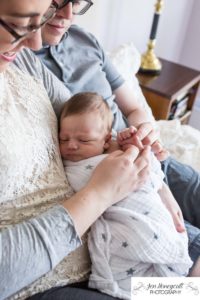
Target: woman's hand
[113, 179]
[121, 173]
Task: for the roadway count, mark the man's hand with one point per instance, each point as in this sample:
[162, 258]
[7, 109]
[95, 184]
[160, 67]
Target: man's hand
[158, 150]
[144, 135]
[149, 136]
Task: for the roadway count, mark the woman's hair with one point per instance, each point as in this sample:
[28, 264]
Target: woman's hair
[86, 103]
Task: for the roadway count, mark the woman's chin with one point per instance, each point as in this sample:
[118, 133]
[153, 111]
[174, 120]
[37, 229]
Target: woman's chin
[3, 66]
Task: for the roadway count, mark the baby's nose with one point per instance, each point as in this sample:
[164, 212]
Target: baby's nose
[72, 145]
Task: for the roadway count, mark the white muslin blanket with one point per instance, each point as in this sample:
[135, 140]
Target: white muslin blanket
[135, 237]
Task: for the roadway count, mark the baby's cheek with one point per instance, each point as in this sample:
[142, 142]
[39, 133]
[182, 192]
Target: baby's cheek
[61, 146]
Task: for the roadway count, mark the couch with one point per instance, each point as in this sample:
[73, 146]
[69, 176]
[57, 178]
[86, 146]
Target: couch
[182, 141]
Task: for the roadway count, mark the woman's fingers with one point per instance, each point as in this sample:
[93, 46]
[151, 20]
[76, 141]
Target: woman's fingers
[120, 173]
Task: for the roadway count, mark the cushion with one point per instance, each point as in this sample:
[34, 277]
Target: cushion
[182, 141]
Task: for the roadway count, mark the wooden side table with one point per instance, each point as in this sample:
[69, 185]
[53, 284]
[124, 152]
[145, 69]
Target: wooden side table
[167, 91]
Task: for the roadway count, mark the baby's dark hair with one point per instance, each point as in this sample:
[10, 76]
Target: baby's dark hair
[88, 102]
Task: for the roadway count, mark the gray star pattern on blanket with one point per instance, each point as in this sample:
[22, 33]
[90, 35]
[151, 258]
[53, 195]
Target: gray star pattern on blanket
[146, 213]
[124, 244]
[130, 271]
[170, 268]
[103, 236]
[89, 167]
[155, 236]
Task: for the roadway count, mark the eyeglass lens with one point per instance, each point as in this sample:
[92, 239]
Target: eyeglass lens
[79, 7]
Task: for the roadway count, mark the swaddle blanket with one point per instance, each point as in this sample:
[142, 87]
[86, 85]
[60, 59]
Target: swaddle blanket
[135, 237]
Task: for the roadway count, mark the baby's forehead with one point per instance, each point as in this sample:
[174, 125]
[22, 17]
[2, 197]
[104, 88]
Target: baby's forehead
[94, 129]
[86, 122]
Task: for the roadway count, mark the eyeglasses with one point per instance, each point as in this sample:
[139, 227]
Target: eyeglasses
[79, 7]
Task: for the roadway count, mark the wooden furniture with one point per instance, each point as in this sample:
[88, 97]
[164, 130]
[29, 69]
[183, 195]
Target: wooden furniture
[165, 93]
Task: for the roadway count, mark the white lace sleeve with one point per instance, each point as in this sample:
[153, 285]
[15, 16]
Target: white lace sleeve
[36, 234]
[44, 240]
[27, 61]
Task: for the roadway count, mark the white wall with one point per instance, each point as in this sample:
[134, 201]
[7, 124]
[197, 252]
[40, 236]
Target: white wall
[120, 21]
[190, 54]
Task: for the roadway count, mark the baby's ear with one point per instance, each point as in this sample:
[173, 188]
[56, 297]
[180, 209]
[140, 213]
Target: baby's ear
[107, 141]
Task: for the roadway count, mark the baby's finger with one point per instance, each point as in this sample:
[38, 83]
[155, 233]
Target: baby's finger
[132, 129]
[126, 134]
[119, 136]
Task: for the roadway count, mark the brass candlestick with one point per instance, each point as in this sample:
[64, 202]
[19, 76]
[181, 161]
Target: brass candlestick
[150, 64]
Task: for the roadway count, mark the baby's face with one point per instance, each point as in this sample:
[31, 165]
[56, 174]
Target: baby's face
[82, 136]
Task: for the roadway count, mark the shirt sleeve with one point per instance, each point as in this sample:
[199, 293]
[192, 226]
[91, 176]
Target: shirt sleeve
[112, 75]
[57, 92]
[32, 248]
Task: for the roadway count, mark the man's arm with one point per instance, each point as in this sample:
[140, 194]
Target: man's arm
[130, 107]
[137, 116]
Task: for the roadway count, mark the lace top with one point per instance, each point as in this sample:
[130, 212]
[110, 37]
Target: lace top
[31, 172]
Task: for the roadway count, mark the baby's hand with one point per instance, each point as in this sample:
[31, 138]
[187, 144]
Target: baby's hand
[127, 137]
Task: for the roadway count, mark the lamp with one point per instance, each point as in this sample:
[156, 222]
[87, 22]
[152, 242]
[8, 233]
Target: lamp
[150, 64]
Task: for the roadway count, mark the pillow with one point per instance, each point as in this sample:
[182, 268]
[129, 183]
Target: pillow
[126, 59]
[182, 141]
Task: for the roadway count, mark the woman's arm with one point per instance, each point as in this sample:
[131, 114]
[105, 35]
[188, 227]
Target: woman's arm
[30, 249]
[102, 191]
